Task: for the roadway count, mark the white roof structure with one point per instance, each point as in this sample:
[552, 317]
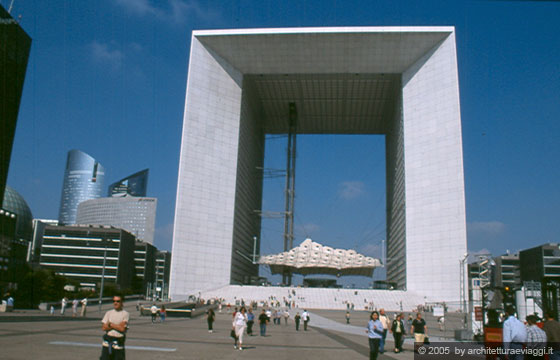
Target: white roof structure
[313, 258]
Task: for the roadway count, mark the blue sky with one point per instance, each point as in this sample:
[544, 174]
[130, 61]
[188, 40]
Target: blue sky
[109, 77]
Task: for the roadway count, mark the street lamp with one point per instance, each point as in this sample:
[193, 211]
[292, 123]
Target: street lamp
[104, 241]
[462, 287]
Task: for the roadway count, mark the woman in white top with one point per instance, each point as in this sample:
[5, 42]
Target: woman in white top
[239, 325]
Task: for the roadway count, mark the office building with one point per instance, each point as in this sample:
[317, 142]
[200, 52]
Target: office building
[399, 82]
[163, 266]
[136, 215]
[135, 185]
[34, 251]
[15, 237]
[89, 254]
[540, 262]
[145, 264]
[506, 271]
[83, 180]
[16, 204]
[14, 53]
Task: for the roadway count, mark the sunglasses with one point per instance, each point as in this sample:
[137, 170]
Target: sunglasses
[117, 301]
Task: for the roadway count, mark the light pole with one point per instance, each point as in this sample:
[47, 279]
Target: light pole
[462, 287]
[105, 241]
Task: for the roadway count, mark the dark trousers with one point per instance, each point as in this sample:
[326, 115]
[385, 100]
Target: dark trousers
[517, 347]
[398, 340]
[210, 323]
[297, 325]
[113, 355]
[373, 348]
[250, 327]
[305, 325]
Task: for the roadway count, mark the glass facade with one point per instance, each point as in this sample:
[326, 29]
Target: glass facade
[14, 202]
[135, 185]
[83, 180]
[134, 214]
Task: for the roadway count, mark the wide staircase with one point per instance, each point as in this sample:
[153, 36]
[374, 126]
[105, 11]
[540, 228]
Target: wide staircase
[319, 298]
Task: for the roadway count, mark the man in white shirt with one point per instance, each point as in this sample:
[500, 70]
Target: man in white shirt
[75, 307]
[154, 311]
[84, 307]
[63, 303]
[115, 325]
[305, 318]
[385, 322]
[514, 335]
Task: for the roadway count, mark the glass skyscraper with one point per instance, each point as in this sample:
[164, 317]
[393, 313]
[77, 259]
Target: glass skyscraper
[83, 180]
[135, 185]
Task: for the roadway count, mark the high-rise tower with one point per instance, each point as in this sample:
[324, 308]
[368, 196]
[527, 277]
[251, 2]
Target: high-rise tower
[83, 180]
[135, 185]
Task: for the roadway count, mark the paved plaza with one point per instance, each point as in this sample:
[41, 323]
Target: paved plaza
[37, 335]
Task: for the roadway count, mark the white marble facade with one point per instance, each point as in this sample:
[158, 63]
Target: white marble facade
[397, 81]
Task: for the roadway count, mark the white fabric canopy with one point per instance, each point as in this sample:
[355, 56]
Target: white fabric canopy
[313, 258]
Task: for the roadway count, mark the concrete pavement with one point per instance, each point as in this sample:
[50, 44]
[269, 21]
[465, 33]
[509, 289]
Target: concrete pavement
[37, 335]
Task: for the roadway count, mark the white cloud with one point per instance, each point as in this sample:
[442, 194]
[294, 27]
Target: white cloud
[351, 189]
[486, 227]
[139, 7]
[104, 53]
[176, 11]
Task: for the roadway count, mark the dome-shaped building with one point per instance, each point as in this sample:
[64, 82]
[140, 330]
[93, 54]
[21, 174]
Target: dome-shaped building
[15, 203]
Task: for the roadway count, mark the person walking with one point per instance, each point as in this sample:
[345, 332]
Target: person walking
[348, 317]
[385, 321]
[9, 302]
[210, 317]
[239, 325]
[115, 325]
[397, 329]
[286, 316]
[375, 334]
[514, 335]
[250, 322]
[297, 319]
[63, 303]
[420, 330]
[154, 311]
[305, 317]
[84, 307]
[75, 307]
[441, 322]
[536, 339]
[162, 313]
[552, 329]
[263, 320]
